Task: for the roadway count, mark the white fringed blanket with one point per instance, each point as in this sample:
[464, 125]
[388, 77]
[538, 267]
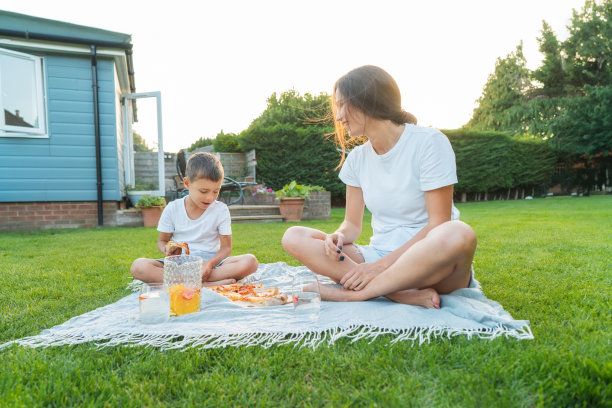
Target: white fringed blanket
[221, 323]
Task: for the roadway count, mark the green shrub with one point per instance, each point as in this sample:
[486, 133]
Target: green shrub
[297, 190]
[489, 161]
[148, 201]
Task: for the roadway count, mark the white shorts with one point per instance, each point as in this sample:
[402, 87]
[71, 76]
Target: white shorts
[370, 254]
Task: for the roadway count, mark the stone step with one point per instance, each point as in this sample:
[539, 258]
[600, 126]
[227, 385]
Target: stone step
[256, 218]
[244, 210]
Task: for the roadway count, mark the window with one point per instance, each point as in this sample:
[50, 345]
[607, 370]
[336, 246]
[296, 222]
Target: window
[22, 107]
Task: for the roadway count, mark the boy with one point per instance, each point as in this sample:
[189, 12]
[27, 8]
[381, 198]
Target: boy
[204, 224]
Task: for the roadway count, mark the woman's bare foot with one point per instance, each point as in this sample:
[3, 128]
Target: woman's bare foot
[427, 298]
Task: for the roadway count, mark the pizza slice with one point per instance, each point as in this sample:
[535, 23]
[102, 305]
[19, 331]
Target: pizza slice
[172, 246]
[251, 295]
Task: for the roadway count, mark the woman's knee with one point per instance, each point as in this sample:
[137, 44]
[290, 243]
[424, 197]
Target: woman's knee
[463, 236]
[292, 237]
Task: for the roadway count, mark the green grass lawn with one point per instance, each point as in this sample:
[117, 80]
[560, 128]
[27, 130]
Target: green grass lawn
[546, 260]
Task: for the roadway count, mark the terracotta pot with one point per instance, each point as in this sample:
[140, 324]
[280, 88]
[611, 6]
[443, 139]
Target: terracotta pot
[150, 216]
[291, 208]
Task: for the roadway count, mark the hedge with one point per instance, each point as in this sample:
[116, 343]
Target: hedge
[498, 163]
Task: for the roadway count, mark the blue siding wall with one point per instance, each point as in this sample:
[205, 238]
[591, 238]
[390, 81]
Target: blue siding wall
[63, 167]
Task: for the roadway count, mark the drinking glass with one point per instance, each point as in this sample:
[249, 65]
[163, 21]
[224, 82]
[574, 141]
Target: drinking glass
[183, 279]
[154, 303]
[306, 295]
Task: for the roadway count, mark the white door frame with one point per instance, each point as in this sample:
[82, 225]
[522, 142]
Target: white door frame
[128, 146]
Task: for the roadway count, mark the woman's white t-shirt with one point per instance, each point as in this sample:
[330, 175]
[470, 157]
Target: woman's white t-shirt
[201, 234]
[394, 183]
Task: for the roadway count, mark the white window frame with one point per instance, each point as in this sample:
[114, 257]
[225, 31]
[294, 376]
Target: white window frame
[19, 131]
[128, 146]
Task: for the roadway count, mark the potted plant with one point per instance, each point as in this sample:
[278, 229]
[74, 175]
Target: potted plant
[151, 207]
[291, 200]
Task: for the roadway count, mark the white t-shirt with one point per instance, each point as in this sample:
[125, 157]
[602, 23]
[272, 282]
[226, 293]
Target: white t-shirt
[394, 183]
[201, 234]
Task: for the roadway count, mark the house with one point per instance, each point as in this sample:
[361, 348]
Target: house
[67, 103]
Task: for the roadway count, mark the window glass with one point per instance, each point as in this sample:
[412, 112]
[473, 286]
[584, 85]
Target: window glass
[20, 94]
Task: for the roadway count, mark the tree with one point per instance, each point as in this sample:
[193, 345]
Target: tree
[589, 46]
[227, 142]
[201, 142]
[585, 126]
[551, 74]
[140, 145]
[292, 142]
[503, 94]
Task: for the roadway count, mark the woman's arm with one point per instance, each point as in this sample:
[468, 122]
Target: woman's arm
[350, 229]
[438, 203]
[225, 250]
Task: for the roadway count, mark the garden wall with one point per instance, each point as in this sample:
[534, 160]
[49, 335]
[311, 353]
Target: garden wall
[236, 165]
[57, 214]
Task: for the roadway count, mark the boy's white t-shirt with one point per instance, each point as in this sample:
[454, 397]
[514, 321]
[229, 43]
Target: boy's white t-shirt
[394, 183]
[201, 234]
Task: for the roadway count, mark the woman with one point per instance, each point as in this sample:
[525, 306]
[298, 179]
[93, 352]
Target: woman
[405, 175]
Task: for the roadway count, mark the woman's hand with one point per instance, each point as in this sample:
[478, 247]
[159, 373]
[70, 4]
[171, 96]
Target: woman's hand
[361, 275]
[333, 245]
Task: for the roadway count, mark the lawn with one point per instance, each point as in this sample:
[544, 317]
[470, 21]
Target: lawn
[545, 260]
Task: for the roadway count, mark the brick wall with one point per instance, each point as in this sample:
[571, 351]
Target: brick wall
[58, 214]
[318, 206]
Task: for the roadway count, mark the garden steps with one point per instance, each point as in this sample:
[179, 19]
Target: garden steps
[255, 213]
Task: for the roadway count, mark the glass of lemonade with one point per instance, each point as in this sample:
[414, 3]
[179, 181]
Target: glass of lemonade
[154, 303]
[306, 295]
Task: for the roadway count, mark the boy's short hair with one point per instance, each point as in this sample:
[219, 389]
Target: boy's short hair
[204, 165]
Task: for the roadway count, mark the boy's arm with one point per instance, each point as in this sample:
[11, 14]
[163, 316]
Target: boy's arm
[163, 239]
[225, 250]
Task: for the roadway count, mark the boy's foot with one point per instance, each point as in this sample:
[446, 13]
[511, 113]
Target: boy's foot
[220, 282]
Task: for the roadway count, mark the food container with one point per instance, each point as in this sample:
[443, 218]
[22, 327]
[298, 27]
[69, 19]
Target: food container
[183, 279]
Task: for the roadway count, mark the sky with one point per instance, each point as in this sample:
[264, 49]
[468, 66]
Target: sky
[217, 62]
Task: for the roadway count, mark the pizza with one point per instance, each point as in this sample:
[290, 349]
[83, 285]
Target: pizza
[251, 294]
[172, 246]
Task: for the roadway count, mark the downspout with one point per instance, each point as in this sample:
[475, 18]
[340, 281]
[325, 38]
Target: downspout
[94, 86]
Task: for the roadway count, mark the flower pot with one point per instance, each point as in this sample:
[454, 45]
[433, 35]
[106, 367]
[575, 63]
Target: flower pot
[291, 208]
[151, 216]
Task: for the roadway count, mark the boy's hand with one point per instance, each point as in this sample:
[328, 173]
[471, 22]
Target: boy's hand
[175, 251]
[207, 268]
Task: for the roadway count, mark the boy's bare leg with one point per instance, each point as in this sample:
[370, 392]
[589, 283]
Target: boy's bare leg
[441, 262]
[234, 268]
[307, 246]
[148, 270]
[152, 271]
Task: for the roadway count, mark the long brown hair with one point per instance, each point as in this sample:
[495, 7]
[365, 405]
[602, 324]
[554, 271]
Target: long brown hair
[375, 93]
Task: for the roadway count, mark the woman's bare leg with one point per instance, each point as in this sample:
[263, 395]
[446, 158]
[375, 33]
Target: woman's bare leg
[441, 261]
[307, 246]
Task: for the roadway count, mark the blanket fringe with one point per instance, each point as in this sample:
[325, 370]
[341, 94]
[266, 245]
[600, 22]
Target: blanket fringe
[309, 339]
